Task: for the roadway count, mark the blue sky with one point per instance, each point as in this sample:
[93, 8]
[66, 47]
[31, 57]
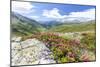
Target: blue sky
[51, 11]
[64, 8]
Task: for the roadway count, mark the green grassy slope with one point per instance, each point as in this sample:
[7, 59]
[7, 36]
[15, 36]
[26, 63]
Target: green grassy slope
[24, 26]
[78, 27]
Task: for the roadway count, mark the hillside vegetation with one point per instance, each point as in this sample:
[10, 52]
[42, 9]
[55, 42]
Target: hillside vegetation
[22, 26]
[78, 27]
[69, 42]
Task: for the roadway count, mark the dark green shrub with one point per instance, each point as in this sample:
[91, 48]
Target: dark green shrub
[89, 41]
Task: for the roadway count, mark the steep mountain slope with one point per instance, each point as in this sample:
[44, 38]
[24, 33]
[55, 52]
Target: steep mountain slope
[24, 26]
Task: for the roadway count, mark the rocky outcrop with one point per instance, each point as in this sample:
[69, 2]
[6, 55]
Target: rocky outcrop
[30, 51]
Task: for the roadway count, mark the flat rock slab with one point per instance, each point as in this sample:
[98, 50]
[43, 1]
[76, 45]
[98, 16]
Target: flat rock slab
[30, 51]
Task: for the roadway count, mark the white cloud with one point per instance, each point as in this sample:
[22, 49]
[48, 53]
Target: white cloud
[85, 15]
[35, 17]
[22, 7]
[89, 14]
[54, 13]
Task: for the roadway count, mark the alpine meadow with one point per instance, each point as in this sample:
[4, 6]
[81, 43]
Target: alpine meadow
[52, 33]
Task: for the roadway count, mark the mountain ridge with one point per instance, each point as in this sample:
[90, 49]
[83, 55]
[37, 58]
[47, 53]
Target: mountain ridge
[24, 25]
